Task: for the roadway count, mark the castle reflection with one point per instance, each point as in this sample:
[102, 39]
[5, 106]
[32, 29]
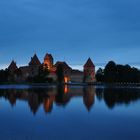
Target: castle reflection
[62, 95]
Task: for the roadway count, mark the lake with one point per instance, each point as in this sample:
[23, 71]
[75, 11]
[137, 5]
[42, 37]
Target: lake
[69, 113]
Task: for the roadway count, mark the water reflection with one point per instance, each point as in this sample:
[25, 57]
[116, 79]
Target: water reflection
[117, 96]
[62, 95]
[89, 97]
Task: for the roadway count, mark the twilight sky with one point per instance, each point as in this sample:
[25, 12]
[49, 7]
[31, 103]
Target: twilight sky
[72, 30]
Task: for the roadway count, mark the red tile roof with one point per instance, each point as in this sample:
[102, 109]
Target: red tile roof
[89, 63]
[65, 65]
[48, 55]
[13, 66]
[34, 61]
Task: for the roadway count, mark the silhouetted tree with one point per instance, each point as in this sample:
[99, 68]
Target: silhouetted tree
[118, 73]
[4, 74]
[60, 73]
[42, 76]
[100, 75]
[110, 72]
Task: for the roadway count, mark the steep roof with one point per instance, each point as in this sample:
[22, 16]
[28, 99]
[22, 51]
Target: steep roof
[48, 55]
[13, 66]
[34, 61]
[65, 65]
[89, 63]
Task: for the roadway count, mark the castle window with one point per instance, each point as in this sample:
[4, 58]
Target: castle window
[65, 79]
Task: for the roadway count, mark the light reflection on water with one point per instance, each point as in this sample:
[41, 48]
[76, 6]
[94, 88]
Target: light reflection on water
[70, 113]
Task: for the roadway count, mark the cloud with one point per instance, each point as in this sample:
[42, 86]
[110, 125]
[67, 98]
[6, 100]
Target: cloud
[3, 66]
[68, 28]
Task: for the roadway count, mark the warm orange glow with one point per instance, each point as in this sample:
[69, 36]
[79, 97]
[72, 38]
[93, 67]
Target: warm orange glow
[47, 105]
[65, 79]
[66, 89]
[48, 64]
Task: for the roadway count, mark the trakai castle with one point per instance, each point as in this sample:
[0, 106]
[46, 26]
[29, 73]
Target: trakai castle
[21, 74]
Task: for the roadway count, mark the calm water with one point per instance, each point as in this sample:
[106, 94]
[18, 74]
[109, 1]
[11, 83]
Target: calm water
[69, 113]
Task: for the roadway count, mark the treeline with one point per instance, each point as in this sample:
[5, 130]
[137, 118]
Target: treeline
[116, 96]
[4, 76]
[115, 73]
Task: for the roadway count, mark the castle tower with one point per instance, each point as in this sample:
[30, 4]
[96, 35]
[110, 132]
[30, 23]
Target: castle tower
[89, 71]
[34, 65]
[34, 61]
[48, 61]
[12, 67]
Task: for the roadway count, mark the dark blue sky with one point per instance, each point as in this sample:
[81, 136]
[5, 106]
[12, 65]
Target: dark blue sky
[72, 30]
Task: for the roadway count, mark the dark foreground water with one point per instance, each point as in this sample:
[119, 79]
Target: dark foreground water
[69, 113]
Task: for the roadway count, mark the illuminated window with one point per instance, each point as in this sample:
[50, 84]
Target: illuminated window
[65, 79]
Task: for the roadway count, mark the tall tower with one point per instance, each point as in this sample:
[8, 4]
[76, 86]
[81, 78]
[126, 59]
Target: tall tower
[34, 61]
[89, 71]
[12, 67]
[48, 61]
[34, 65]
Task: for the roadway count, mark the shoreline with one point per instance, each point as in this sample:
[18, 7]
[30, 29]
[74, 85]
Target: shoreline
[49, 85]
[72, 83]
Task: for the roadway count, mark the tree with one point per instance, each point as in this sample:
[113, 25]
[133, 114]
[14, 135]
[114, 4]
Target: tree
[110, 72]
[42, 76]
[118, 73]
[100, 75]
[4, 74]
[60, 73]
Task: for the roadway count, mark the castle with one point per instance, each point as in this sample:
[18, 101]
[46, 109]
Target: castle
[70, 75]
